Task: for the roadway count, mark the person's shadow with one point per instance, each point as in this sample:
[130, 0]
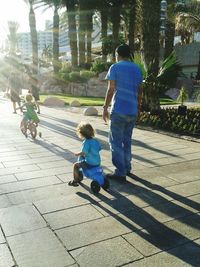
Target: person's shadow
[144, 225]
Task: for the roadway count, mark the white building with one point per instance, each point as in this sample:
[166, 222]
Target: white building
[45, 38]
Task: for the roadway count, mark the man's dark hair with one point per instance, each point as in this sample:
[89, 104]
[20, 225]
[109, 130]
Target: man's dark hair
[123, 51]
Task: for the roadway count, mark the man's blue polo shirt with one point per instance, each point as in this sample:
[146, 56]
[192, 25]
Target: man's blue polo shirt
[128, 77]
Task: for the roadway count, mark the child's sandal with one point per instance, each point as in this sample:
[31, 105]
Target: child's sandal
[73, 183]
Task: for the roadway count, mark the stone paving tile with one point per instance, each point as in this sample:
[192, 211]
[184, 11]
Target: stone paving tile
[192, 156]
[40, 173]
[8, 149]
[189, 226]
[195, 201]
[91, 232]
[7, 179]
[156, 238]
[153, 181]
[182, 166]
[28, 184]
[120, 203]
[168, 161]
[11, 154]
[185, 255]
[60, 203]
[4, 201]
[1, 166]
[72, 216]
[39, 248]
[50, 165]
[66, 177]
[40, 154]
[186, 189]
[19, 219]
[2, 239]
[13, 158]
[167, 211]
[185, 176]
[28, 161]
[18, 169]
[43, 193]
[106, 253]
[5, 256]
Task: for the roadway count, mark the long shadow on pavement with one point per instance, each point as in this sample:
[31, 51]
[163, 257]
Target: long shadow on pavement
[151, 230]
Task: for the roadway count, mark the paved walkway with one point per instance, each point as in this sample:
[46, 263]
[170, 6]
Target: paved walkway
[152, 220]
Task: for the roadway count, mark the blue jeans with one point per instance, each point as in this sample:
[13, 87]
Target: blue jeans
[121, 128]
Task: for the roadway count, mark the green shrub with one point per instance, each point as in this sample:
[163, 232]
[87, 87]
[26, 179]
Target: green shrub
[168, 119]
[99, 66]
[87, 74]
[66, 67]
[75, 76]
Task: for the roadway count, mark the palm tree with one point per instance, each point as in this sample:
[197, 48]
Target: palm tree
[115, 10]
[150, 33]
[55, 4]
[12, 37]
[129, 17]
[89, 29]
[188, 21]
[72, 31]
[170, 28]
[33, 31]
[103, 8]
[150, 19]
[82, 32]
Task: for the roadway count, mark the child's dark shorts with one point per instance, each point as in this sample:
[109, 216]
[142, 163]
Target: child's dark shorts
[84, 165]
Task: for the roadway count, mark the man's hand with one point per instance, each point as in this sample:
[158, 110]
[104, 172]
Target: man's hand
[105, 115]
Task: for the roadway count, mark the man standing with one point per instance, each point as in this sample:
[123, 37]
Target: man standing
[124, 80]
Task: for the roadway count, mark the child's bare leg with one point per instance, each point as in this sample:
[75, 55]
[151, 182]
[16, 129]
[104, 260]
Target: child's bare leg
[76, 175]
[14, 107]
[19, 104]
[23, 126]
[38, 107]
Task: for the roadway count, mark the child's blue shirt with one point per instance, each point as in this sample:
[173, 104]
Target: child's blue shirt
[91, 148]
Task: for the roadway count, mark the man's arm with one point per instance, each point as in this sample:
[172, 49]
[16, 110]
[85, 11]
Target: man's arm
[108, 98]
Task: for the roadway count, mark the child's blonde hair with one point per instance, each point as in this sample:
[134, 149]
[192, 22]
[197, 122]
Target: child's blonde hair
[85, 130]
[29, 98]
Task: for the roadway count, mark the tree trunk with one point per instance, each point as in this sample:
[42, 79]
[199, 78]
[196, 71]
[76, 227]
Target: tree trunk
[34, 40]
[151, 33]
[151, 48]
[170, 28]
[169, 38]
[131, 35]
[72, 32]
[89, 36]
[198, 70]
[115, 27]
[56, 40]
[104, 32]
[82, 33]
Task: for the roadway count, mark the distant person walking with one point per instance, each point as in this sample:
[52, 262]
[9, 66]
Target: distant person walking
[124, 80]
[15, 89]
[34, 90]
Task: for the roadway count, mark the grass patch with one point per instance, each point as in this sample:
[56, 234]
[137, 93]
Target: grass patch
[167, 101]
[84, 100]
[94, 101]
